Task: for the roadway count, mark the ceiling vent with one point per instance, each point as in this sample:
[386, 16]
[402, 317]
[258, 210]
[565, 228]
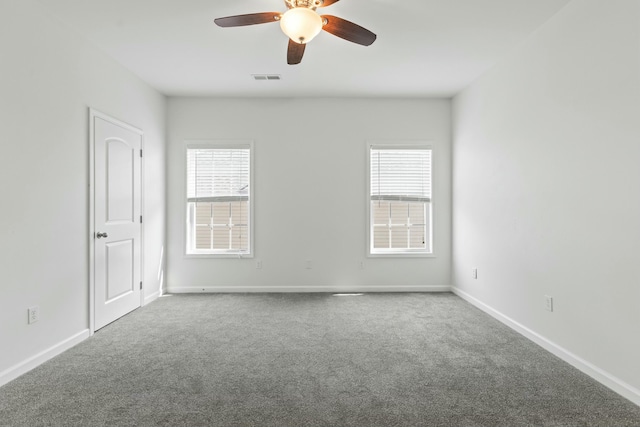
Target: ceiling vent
[265, 76]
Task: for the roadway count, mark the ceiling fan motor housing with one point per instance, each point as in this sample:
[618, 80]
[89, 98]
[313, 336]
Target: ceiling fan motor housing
[310, 4]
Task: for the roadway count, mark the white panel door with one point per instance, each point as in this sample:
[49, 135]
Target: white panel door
[117, 210]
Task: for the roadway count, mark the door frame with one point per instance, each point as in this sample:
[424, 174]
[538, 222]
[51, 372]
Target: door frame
[93, 114]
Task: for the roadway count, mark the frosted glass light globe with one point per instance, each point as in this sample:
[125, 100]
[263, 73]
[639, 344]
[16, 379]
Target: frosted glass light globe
[301, 24]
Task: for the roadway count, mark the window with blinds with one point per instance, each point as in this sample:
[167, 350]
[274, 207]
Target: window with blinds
[219, 199]
[400, 200]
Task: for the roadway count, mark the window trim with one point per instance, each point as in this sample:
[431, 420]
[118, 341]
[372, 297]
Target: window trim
[218, 143]
[399, 145]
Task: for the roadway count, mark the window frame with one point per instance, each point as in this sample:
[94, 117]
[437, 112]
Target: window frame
[399, 253]
[219, 144]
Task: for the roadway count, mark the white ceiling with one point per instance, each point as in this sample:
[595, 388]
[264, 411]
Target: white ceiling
[425, 48]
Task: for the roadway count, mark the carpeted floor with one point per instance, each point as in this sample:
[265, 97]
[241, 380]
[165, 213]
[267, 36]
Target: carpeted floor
[309, 360]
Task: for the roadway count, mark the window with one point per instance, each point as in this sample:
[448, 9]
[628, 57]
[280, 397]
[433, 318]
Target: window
[219, 199]
[400, 200]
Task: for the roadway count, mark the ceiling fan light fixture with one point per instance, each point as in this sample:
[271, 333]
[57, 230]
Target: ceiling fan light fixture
[301, 24]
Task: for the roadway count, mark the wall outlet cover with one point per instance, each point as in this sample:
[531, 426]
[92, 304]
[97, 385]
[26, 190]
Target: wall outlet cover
[34, 314]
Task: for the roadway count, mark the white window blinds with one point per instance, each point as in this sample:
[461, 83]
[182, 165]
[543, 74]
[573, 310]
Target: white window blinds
[400, 174]
[218, 174]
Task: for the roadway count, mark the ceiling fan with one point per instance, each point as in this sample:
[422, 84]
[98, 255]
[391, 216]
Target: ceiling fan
[301, 23]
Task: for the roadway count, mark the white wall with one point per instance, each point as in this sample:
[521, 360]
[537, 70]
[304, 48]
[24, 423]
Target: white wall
[49, 78]
[546, 172]
[310, 200]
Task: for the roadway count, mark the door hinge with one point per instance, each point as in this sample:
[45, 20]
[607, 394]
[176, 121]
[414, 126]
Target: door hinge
[140, 219]
[140, 285]
[140, 153]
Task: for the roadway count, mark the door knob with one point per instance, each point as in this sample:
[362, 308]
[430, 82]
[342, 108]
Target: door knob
[101, 235]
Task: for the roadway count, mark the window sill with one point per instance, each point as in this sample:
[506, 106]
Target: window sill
[221, 256]
[401, 255]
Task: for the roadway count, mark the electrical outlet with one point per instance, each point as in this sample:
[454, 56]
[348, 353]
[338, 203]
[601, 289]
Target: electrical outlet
[258, 264]
[34, 314]
[548, 303]
[361, 265]
[308, 264]
[474, 273]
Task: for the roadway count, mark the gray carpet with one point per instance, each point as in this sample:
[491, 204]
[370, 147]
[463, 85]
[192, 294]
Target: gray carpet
[309, 360]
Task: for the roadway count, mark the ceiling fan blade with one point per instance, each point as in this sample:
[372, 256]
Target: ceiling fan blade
[295, 52]
[326, 3]
[348, 30]
[249, 19]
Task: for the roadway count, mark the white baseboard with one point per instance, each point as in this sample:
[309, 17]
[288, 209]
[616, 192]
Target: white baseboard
[302, 289]
[151, 298]
[32, 362]
[622, 388]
